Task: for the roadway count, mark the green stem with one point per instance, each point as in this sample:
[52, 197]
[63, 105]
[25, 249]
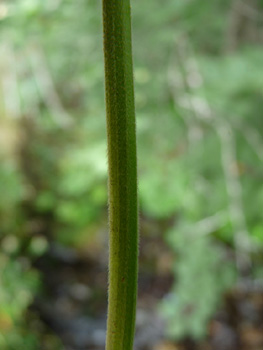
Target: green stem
[123, 207]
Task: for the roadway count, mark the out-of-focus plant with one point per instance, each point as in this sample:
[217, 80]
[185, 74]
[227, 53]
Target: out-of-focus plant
[12, 191]
[82, 193]
[19, 284]
[202, 276]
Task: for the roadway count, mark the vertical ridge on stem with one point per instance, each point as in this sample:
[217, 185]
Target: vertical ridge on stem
[123, 207]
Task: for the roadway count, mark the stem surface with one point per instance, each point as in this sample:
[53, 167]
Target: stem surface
[123, 207]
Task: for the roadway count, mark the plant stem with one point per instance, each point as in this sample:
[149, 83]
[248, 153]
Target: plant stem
[123, 207]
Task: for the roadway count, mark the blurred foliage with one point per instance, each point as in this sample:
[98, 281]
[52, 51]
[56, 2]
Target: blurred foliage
[11, 189]
[202, 275]
[18, 286]
[198, 83]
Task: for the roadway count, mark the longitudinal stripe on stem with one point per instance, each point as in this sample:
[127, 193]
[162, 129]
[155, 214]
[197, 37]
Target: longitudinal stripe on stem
[123, 208]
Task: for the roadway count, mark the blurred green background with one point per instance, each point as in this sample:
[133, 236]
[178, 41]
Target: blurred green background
[199, 101]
